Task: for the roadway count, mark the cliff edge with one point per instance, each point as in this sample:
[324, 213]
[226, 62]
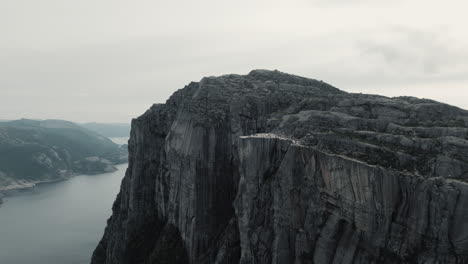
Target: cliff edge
[274, 168]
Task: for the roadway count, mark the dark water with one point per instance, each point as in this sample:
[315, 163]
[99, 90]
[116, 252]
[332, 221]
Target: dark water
[57, 223]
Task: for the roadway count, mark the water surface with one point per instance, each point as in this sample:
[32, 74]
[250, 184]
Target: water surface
[120, 140]
[58, 223]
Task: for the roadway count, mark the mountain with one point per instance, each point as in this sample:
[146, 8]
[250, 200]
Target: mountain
[274, 168]
[109, 129]
[33, 151]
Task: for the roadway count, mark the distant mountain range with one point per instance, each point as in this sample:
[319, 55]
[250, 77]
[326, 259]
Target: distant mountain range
[109, 129]
[34, 151]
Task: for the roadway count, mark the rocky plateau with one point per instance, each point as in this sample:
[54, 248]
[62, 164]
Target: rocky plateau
[274, 168]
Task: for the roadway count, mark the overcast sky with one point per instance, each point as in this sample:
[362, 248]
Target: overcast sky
[109, 60]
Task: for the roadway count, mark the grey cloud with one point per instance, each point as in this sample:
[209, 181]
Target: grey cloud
[112, 61]
[414, 54]
[354, 3]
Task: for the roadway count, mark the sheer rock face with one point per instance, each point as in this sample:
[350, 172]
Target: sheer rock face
[275, 168]
[300, 205]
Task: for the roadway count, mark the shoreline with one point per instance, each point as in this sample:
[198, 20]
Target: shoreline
[13, 189]
[19, 187]
[32, 184]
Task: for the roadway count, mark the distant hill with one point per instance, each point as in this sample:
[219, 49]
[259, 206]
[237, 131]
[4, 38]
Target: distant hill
[109, 129]
[34, 151]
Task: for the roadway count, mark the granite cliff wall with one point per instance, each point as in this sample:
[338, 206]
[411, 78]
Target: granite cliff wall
[275, 168]
[314, 207]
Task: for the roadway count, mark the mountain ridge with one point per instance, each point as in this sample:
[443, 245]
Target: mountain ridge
[36, 151]
[109, 129]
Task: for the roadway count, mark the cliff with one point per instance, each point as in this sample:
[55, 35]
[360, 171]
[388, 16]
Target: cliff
[275, 168]
[34, 151]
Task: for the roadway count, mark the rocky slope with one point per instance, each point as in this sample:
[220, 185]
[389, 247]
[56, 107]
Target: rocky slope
[41, 151]
[275, 168]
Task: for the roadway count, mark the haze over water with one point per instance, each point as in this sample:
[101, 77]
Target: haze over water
[58, 223]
